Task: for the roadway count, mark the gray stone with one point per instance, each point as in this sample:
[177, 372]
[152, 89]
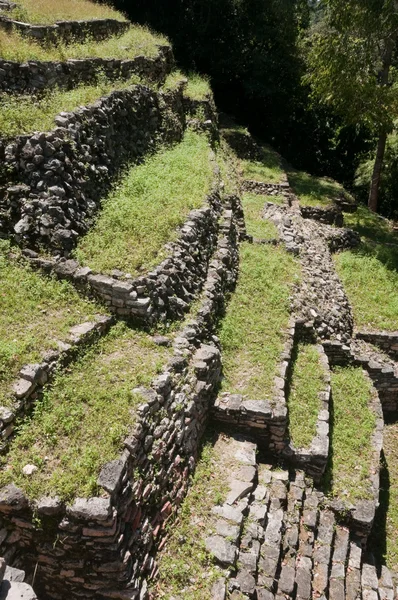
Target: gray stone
[15, 590]
[238, 490]
[218, 590]
[227, 530]
[246, 582]
[12, 499]
[91, 509]
[12, 574]
[50, 506]
[222, 550]
[111, 475]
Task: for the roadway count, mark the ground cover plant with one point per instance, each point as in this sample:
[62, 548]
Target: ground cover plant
[160, 191]
[35, 312]
[81, 422]
[256, 225]
[197, 86]
[267, 169]
[26, 114]
[47, 11]
[370, 272]
[307, 380]
[315, 191]
[136, 41]
[353, 423]
[252, 333]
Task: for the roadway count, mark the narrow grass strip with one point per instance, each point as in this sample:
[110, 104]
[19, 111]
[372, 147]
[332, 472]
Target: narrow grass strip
[137, 41]
[45, 12]
[315, 191]
[81, 422]
[197, 87]
[256, 225]
[35, 312]
[147, 206]
[389, 498]
[308, 379]
[267, 170]
[353, 422]
[253, 331]
[27, 114]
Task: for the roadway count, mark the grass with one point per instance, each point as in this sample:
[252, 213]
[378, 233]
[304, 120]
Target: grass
[267, 170]
[228, 164]
[47, 11]
[35, 312]
[26, 114]
[185, 566]
[370, 272]
[198, 87]
[256, 225]
[161, 191]
[252, 333]
[353, 423]
[315, 191]
[82, 420]
[136, 41]
[308, 379]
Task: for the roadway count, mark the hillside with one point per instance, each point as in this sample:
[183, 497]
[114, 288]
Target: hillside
[198, 342]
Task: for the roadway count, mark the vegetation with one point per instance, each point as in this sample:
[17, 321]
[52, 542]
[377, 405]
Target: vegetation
[268, 169]
[198, 87]
[82, 420]
[256, 225]
[315, 191]
[137, 40]
[162, 190]
[185, 563]
[308, 379]
[252, 333]
[35, 312]
[370, 272]
[46, 11]
[350, 457]
[20, 115]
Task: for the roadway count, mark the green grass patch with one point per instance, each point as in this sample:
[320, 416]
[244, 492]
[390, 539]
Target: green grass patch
[389, 500]
[35, 312]
[82, 420]
[350, 458]
[253, 331]
[371, 226]
[45, 12]
[147, 206]
[307, 380]
[198, 87]
[256, 225]
[267, 170]
[315, 191]
[137, 41]
[185, 565]
[26, 114]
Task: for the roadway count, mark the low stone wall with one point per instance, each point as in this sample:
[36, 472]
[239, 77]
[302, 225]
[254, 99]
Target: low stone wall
[67, 31]
[51, 184]
[33, 377]
[387, 341]
[328, 216]
[164, 293]
[34, 75]
[266, 189]
[104, 547]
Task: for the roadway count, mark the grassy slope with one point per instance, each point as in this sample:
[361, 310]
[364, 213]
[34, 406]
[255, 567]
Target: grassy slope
[267, 170]
[252, 332]
[369, 273]
[303, 399]
[134, 42]
[162, 190]
[256, 225]
[48, 11]
[35, 312]
[82, 420]
[314, 191]
[353, 422]
[26, 114]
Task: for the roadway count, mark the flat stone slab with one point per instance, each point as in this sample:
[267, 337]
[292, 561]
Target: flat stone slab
[238, 490]
[223, 551]
[16, 590]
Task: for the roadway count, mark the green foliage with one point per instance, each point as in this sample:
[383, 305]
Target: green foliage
[308, 379]
[81, 422]
[252, 333]
[315, 191]
[370, 272]
[35, 312]
[162, 190]
[26, 114]
[198, 87]
[137, 40]
[348, 474]
[256, 225]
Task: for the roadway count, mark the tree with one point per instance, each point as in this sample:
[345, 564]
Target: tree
[350, 57]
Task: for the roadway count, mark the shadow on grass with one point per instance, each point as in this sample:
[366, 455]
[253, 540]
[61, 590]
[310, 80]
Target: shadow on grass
[378, 537]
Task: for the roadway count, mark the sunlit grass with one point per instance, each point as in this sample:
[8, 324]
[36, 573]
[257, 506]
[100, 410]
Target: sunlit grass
[47, 11]
[267, 169]
[315, 191]
[256, 225]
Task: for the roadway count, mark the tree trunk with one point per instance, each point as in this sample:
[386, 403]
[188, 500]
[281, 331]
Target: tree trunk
[377, 169]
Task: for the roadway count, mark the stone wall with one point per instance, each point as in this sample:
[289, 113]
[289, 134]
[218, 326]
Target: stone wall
[104, 547]
[67, 31]
[387, 341]
[329, 216]
[51, 184]
[35, 75]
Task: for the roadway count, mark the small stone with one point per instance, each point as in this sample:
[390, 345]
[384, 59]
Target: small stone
[29, 470]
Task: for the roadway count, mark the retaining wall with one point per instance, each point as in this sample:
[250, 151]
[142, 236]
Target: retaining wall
[328, 216]
[387, 341]
[35, 75]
